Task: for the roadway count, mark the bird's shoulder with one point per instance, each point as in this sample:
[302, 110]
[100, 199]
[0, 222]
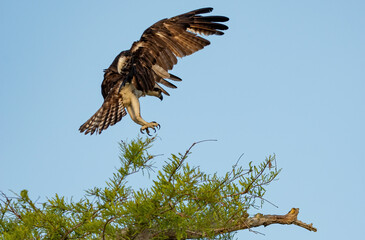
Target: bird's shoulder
[116, 72]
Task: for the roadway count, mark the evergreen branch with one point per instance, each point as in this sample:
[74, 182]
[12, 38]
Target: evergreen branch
[73, 229]
[24, 197]
[82, 222]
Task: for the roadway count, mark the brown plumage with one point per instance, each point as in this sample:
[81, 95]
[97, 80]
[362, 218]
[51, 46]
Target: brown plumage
[144, 68]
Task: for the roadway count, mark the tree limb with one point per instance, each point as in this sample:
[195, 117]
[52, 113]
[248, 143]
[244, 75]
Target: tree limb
[251, 222]
[265, 220]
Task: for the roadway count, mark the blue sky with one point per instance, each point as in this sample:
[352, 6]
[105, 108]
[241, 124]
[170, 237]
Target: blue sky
[287, 78]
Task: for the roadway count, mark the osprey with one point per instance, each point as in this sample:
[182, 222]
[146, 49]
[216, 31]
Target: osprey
[142, 69]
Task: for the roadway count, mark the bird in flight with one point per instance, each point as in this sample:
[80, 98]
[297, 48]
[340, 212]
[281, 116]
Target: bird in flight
[142, 69]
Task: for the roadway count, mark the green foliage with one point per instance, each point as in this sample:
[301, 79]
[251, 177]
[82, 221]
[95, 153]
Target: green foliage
[182, 202]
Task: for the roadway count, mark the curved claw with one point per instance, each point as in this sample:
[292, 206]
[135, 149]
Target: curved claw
[158, 125]
[152, 125]
[146, 130]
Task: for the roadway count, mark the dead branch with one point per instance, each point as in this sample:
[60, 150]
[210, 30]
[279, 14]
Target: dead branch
[265, 220]
[252, 222]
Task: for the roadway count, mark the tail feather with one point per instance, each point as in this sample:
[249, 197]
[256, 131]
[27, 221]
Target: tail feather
[111, 112]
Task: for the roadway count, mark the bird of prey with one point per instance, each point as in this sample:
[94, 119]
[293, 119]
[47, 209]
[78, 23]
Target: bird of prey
[142, 69]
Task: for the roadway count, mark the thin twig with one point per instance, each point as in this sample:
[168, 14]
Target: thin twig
[256, 177]
[186, 155]
[12, 210]
[107, 222]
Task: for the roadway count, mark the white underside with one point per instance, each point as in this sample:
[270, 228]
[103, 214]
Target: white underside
[121, 63]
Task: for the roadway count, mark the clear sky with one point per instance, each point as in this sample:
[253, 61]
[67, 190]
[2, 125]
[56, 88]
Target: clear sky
[287, 78]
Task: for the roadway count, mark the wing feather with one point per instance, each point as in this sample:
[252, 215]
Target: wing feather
[159, 46]
[166, 83]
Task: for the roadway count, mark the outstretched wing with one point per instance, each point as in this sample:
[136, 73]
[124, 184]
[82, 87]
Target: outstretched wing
[108, 114]
[155, 53]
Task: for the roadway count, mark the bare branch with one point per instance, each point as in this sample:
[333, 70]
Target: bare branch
[104, 228]
[256, 177]
[252, 222]
[266, 220]
[186, 155]
[8, 204]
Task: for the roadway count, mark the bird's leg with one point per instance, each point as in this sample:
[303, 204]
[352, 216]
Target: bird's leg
[134, 111]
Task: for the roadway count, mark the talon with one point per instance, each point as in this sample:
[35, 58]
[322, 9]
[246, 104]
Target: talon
[148, 132]
[151, 125]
